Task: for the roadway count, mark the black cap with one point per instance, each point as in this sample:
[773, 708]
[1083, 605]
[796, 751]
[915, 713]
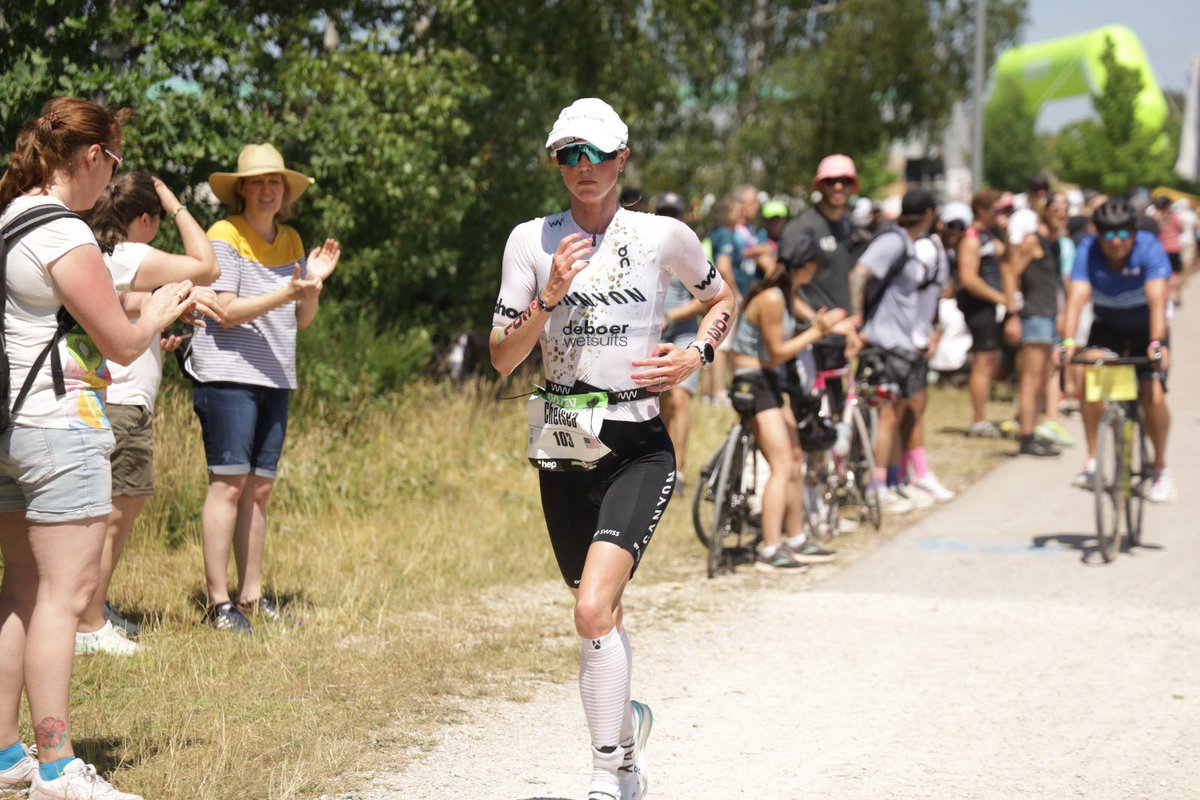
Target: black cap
[916, 202]
[797, 248]
[1038, 183]
[670, 204]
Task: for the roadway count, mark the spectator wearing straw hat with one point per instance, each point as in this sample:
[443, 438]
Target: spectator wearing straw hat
[245, 370]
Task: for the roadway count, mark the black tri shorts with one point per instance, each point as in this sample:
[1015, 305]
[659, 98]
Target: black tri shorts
[621, 501]
[1127, 344]
[756, 390]
[981, 320]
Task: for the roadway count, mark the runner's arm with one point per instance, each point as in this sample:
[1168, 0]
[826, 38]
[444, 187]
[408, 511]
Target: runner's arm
[512, 340]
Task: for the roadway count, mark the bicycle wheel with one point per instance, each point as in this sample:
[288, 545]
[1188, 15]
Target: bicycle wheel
[820, 496]
[1140, 474]
[721, 513]
[862, 464]
[1108, 481]
[702, 499]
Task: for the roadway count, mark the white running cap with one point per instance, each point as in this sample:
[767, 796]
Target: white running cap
[588, 119]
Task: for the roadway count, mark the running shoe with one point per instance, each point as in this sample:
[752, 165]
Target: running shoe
[79, 781]
[930, 485]
[781, 561]
[109, 640]
[605, 769]
[1009, 428]
[229, 617]
[20, 775]
[892, 502]
[1163, 488]
[920, 500]
[1032, 446]
[632, 773]
[983, 430]
[812, 553]
[131, 629]
[1054, 433]
[847, 525]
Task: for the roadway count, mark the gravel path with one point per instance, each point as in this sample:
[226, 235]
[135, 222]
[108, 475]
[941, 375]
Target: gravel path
[982, 653]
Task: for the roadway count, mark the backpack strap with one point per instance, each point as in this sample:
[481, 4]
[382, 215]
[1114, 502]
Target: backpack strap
[12, 233]
[887, 279]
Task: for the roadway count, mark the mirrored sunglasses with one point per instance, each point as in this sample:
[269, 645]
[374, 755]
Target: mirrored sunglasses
[1123, 234]
[569, 156]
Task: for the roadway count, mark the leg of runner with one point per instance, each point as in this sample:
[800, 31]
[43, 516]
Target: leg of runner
[604, 679]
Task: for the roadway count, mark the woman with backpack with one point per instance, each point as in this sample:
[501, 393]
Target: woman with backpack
[55, 483]
[125, 220]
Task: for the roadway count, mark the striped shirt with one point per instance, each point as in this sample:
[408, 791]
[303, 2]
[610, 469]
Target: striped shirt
[261, 351]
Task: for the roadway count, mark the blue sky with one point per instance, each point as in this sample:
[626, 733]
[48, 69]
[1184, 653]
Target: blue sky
[1169, 30]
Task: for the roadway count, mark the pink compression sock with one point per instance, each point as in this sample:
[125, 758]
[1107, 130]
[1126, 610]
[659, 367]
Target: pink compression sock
[915, 461]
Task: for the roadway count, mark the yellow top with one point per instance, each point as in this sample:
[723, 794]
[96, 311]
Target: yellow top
[236, 231]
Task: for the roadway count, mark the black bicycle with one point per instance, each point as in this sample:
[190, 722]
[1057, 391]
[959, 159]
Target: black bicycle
[723, 512]
[1124, 464]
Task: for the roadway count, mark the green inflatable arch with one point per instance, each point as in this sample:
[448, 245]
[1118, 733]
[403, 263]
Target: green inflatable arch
[1070, 67]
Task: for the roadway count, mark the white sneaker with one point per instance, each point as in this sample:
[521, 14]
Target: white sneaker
[930, 485]
[1163, 488]
[892, 502]
[634, 781]
[20, 774]
[847, 525]
[109, 639]
[605, 783]
[920, 500]
[79, 781]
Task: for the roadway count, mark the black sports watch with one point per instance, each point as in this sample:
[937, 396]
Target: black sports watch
[707, 353]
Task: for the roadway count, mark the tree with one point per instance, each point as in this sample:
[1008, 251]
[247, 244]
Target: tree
[1012, 154]
[1114, 153]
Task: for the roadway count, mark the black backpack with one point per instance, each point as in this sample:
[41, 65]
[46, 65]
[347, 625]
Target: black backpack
[9, 236]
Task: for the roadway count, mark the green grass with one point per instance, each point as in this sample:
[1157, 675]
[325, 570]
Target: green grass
[409, 538]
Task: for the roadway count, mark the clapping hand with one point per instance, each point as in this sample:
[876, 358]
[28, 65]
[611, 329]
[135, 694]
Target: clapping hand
[307, 288]
[323, 260]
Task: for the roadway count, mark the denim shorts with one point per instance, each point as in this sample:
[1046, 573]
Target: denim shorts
[1038, 330]
[244, 426]
[56, 475]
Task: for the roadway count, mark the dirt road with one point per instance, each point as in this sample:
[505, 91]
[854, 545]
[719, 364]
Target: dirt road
[984, 653]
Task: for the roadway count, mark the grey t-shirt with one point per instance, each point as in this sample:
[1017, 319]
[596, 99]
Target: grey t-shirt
[678, 295]
[895, 316]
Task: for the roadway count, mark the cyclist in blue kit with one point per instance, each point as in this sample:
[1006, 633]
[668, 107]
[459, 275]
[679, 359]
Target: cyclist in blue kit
[1125, 273]
[589, 284]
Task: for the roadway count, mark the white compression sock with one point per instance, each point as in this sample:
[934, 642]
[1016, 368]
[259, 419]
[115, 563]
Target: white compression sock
[627, 721]
[604, 687]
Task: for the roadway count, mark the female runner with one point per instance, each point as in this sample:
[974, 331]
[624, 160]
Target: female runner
[590, 283]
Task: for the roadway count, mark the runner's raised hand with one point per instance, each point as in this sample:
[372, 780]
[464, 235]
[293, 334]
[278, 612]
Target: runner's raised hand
[565, 265]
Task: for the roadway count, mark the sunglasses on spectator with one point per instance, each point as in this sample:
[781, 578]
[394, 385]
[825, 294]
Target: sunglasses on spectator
[957, 225]
[1005, 210]
[836, 181]
[569, 156]
[1123, 234]
[117, 160]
